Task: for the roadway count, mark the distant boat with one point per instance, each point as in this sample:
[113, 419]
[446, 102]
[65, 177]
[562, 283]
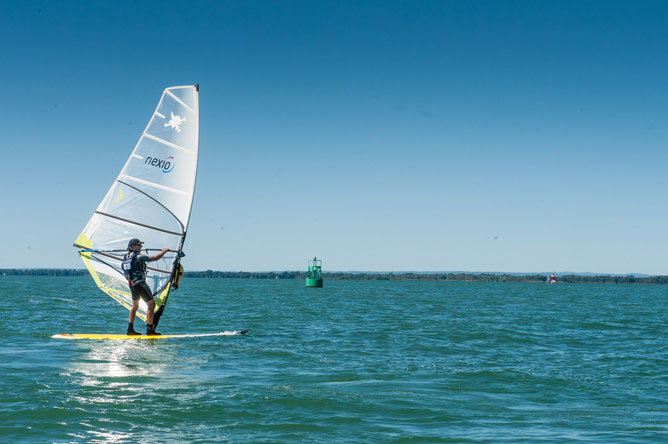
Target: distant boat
[551, 279]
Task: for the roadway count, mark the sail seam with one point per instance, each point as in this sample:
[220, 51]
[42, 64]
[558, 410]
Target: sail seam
[156, 201]
[155, 185]
[180, 101]
[169, 144]
[139, 223]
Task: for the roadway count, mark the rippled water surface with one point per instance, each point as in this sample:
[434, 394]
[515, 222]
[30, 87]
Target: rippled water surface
[355, 362]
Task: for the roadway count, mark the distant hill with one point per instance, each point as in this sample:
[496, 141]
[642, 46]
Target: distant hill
[541, 273]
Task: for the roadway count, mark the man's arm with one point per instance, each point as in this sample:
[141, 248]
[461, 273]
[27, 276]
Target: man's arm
[159, 255]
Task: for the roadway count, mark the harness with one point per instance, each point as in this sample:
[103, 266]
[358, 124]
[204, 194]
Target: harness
[134, 271]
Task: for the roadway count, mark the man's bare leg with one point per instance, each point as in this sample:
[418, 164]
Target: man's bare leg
[149, 312]
[133, 311]
[131, 318]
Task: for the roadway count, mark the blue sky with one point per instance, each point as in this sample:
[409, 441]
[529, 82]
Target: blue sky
[522, 136]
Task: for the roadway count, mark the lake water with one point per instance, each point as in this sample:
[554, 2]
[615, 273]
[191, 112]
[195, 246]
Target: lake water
[353, 362]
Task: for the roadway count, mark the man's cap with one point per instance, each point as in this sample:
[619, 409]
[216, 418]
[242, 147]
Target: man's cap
[134, 241]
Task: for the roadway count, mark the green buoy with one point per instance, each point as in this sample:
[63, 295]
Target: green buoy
[314, 278]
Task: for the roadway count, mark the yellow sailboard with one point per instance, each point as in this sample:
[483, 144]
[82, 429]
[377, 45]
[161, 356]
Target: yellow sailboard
[122, 337]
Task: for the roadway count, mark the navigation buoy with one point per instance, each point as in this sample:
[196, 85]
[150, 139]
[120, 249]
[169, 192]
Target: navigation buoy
[314, 278]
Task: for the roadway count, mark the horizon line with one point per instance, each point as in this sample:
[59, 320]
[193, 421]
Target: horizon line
[513, 273]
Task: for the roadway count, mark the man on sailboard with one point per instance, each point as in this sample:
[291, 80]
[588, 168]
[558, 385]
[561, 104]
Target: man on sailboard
[134, 268]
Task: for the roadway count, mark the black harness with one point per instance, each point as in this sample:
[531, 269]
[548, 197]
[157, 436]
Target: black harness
[133, 270]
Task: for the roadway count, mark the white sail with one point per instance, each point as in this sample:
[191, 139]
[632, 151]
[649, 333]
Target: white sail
[150, 199]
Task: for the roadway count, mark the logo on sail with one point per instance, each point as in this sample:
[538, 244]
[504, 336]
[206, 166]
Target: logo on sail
[175, 122]
[120, 195]
[166, 165]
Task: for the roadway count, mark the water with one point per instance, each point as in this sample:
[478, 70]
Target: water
[354, 362]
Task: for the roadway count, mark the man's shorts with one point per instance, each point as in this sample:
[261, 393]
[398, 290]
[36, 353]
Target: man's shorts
[141, 290]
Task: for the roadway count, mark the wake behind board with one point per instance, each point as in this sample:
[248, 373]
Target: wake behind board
[120, 337]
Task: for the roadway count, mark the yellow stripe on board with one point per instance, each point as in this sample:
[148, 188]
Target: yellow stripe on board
[120, 337]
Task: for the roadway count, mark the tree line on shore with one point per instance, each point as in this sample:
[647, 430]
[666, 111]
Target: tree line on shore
[461, 277]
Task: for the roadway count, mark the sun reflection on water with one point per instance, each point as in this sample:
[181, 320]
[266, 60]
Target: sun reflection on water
[121, 359]
[112, 382]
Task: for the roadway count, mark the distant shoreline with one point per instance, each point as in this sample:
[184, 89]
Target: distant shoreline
[361, 276]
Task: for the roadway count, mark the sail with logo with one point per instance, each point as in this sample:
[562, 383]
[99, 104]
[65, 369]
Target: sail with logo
[151, 200]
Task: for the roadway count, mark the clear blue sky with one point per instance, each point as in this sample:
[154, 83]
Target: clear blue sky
[520, 136]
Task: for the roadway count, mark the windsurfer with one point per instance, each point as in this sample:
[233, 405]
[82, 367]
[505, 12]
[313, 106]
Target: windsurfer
[134, 268]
